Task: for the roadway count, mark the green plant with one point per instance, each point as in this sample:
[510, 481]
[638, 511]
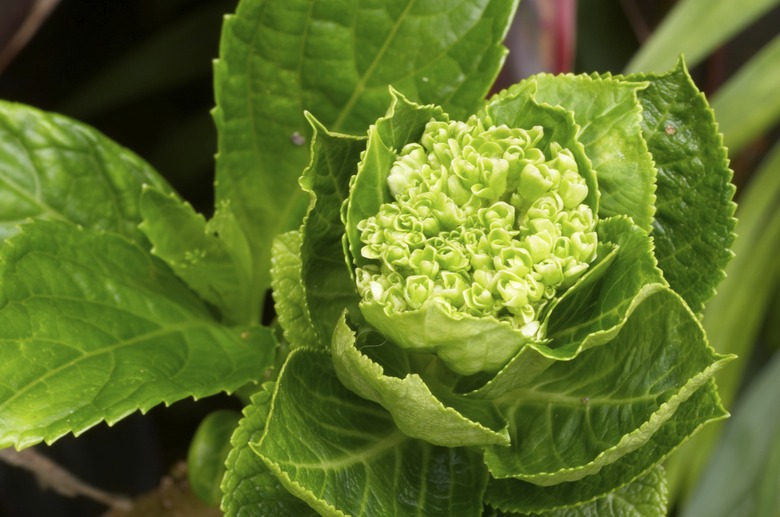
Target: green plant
[472, 312]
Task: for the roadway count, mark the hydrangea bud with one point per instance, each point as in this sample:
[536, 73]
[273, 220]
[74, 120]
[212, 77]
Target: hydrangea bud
[483, 224]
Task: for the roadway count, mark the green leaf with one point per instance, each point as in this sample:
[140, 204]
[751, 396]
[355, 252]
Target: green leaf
[519, 496]
[52, 167]
[742, 122]
[336, 59]
[289, 299]
[347, 458]
[93, 328]
[748, 446]
[688, 30]
[207, 454]
[608, 114]
[609, 401]
[416, 411]
[248, 485]
[327, 280]
[212, 258]
[694, 224]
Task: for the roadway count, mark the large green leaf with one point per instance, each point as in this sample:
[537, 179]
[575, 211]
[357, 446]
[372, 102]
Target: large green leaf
[249, 487]
[733, 318]
[93, 328]
[694, 223]
[346, 457]
[336, 59]
[52, 167]
[520, 496]
[688, 30]
[608, 402]
[741, 122]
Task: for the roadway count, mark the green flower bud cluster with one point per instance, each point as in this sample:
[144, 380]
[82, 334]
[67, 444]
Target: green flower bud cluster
[482, 222]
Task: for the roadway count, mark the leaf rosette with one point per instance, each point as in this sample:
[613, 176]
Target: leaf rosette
[488, 293]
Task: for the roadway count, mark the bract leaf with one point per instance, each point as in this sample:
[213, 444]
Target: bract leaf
[403, 123]
[517, 107]
[52, 167]
[93, 327]
[248, 485]
[346, 457]
[327, 280]
[600, 302]
[608, 113]
[590, 312]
